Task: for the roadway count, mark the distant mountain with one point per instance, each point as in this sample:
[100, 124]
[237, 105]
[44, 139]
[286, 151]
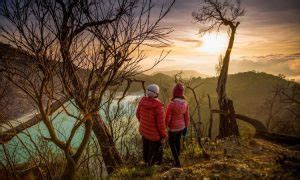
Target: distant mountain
[186, 74]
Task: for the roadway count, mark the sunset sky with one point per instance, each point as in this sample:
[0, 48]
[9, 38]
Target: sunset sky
[268, 39]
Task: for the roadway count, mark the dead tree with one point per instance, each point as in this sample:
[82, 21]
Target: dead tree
[94, 50]
[271, 105]
[35, 75]
[217, 13]
[261, 130]
[3, 98]
[289, 94]
[285, 109]
[210, 117]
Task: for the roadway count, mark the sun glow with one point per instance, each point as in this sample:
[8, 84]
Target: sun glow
[214, 43]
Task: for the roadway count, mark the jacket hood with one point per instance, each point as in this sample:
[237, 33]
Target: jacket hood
[178, 105]
[150, 103]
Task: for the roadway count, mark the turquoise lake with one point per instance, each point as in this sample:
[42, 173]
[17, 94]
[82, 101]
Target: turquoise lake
[63, 125]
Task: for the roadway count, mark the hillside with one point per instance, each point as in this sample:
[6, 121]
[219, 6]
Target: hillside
[248, 90]
[185, 74]
[230, 159]
[16, 101]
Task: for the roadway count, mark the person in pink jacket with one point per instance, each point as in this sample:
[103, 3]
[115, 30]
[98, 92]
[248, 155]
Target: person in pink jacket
[177, 120]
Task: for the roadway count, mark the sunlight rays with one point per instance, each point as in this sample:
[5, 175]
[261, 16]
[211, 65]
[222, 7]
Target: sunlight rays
[214, 43]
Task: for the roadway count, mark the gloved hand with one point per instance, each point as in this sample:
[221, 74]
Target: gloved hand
[184, 131]
[163, 141]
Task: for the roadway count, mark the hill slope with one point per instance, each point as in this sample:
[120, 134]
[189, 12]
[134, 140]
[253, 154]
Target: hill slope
[186, 74]
[231, 158]
[250, 91]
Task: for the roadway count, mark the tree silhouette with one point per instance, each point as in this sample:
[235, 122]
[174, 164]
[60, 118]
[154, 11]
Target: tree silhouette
[81, 49]
[215, 14]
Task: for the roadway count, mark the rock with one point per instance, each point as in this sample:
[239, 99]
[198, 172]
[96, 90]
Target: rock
[216, 176]
[141, 164]
[257, 150]
[173, 173]
[253, 142]
[229, 152]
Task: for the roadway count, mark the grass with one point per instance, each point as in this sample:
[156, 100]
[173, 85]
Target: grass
[135, 172]
[244, 159]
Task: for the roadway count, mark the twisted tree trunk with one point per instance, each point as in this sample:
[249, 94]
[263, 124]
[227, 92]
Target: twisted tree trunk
[234, 129]
[69, 171]
[210, 117]
[226, 124]
[110, 154]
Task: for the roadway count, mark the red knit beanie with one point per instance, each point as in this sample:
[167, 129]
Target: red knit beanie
[178, 90]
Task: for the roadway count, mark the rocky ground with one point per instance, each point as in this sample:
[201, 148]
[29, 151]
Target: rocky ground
[231, 158]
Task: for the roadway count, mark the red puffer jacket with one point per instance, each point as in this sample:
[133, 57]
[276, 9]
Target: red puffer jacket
[150, 113]
[178, 115]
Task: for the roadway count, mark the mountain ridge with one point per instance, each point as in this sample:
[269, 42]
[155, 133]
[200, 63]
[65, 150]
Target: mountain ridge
[186, 74]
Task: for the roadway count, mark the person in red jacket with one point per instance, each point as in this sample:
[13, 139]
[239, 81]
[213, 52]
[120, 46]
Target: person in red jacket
[150, 114]
[177, 120]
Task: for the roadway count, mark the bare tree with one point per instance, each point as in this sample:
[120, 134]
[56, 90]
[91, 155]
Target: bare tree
[273, 108]
[284, 108]
[217, 13]
[93, 46]
[3, 99]
[289, 93]
[37, 81]
[210, 117]
[218, 66]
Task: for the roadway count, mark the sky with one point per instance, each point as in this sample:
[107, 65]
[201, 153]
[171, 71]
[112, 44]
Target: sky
[267, 40]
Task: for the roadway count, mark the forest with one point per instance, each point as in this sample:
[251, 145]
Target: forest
[73, 75]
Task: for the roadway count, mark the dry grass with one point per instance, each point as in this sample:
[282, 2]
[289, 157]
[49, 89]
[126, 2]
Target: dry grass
[230, 158]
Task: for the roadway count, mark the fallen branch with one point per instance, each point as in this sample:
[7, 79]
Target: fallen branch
[262, 131]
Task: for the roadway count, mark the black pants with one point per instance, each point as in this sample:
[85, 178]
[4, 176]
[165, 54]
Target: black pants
[152, 152]
[174, 142]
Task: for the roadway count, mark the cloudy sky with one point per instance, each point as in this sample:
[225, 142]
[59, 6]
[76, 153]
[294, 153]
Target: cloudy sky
[268, 39]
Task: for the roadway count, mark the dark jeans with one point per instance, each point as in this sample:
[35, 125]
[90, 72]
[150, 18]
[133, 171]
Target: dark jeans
[174, 142]
[152, 152]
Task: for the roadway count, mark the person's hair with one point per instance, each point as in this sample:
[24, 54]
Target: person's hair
[152, 97]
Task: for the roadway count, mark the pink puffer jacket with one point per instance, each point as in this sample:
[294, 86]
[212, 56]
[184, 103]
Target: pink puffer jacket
[177, 115]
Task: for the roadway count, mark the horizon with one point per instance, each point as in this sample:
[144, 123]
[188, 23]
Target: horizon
[204, 76]
[267, 40]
